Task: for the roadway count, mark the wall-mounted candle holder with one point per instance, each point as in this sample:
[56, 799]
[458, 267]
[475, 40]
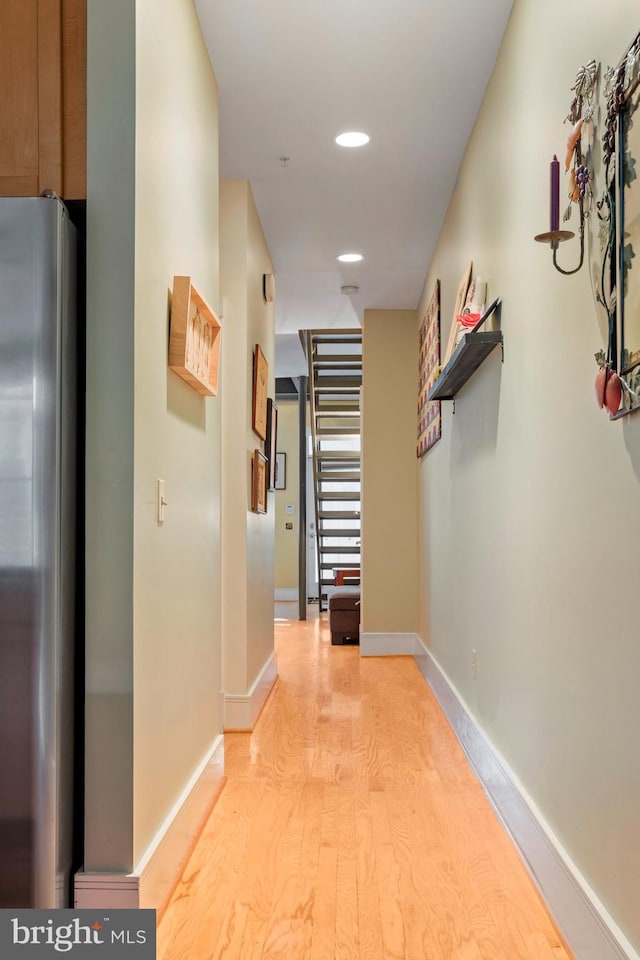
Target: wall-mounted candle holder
[581, 112]
[555, 237]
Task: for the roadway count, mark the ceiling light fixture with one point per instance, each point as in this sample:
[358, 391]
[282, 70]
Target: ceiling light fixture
[349, 289]
[349, 257]
[352, 139]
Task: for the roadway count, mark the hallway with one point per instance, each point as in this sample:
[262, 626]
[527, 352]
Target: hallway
[351, 826]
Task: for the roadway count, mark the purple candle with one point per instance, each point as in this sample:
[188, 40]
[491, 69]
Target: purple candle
[555, 194]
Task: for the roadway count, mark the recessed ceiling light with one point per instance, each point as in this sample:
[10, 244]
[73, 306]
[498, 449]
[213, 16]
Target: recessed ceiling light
[349, 257]
[352, 139]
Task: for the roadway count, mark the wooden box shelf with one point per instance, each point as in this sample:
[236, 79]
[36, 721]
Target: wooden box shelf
[469, 354]
[194, 340]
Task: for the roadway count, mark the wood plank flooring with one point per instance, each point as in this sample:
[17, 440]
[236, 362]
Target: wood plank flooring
[351, 826]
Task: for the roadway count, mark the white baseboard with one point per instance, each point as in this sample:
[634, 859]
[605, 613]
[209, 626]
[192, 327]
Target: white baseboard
[106, 891]
[387, 644]
[286, 593]
[588, 929]
[241, 710]
[153, 877]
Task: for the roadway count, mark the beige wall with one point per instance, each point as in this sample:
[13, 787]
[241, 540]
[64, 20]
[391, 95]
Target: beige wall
[389, 538]
[286, 541]
[177, 630]
[109, 450]
[236, 413]
[247, 537]
[530, 503]
[153, 593]
[260, 528]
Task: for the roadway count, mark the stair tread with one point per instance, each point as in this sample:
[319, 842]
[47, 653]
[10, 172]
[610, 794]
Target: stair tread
[336, 454]
[337, 565]
[338, 395]
[336, 335]
[338, 551]
[324, 532]
[351, 488]
[328, 581]
[337, 431]
[348, 582]
[329, 381]
[337, 476]
[328, 416]
[344, 396]
[350, 361]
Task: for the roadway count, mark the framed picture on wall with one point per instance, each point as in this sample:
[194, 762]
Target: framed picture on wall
[259, 469]
[260, 377]
[194, 338]
[429, 419]
[281, 471]
[271, 441]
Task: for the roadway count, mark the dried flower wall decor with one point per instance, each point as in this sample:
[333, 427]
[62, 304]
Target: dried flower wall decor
[618, 212]
[577, 159]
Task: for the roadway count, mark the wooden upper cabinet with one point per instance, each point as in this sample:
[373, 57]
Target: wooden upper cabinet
[74, 98]
[43, 97]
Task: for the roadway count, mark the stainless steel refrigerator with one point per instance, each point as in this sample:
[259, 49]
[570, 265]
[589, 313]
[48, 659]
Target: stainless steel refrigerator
[37, 549]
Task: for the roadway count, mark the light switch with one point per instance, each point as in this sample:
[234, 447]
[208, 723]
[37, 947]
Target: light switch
[161, 503]
[290, 508]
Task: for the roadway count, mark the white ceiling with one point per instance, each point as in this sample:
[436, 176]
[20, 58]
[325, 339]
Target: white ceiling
[295, 73]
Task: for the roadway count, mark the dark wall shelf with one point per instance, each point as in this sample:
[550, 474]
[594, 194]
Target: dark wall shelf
[467, 357]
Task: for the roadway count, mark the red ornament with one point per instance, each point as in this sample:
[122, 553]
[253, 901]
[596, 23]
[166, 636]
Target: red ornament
[608, 389]
[613, 394]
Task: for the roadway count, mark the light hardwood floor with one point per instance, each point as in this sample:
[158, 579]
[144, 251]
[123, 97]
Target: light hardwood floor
[351, 826]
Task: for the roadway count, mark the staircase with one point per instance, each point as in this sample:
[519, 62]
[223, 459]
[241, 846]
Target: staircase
[335, 378]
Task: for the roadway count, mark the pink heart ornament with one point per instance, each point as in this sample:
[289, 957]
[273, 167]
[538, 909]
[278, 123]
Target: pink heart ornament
[613, 394]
